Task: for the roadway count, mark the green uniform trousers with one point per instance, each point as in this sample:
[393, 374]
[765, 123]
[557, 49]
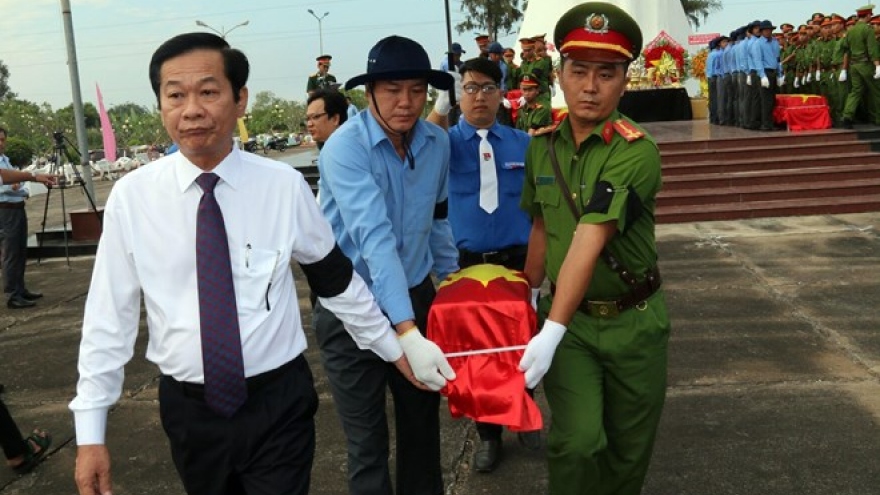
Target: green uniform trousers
[606, 388]
[864, 89]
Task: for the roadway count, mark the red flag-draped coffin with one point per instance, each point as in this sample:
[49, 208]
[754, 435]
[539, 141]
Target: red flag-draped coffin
[481, 308]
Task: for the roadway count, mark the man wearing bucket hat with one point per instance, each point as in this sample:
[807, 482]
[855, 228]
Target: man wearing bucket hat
[764, 57]
[455, 53]
[604, 337]
[384, 190]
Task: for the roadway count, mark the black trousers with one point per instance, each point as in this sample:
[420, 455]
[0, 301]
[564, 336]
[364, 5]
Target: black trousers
[267, 448]
[753, 109]
[721, 99]
[768, 100]
[713, 100]
[743, 118]
[10, 436]
[730, 100]
[13, 244]
[358, 379]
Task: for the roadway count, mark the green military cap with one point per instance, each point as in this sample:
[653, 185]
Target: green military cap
[865, 10]
[528, 81]
[597, 26]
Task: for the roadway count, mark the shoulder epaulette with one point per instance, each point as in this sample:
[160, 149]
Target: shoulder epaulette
[314, 75]
[546, 130]
[627, 130]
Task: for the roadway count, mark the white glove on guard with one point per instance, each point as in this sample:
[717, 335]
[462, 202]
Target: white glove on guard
[427, 361]
[539, 353]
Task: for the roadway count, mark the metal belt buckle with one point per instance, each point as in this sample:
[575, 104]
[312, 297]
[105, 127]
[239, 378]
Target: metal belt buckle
[603, 309]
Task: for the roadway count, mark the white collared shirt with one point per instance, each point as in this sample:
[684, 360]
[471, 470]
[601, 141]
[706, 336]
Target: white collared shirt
[148, 247]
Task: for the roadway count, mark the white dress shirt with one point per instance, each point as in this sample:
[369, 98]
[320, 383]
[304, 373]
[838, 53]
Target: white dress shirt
[148, 247]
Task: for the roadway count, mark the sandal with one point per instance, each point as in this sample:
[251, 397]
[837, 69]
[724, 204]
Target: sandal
[38, 440]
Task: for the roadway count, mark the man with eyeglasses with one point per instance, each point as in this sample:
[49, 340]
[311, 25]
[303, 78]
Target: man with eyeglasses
[326, 110]
[487, 223]
[323, 78]
[591, 188]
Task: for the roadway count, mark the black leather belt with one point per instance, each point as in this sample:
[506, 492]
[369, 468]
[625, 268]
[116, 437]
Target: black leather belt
[502, 256]
[611, 308]
[254, 383]
[18, 205]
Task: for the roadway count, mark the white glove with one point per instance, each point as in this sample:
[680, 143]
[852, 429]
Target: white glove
[552, 90]
[818, 75]
[877, 72]
[442, 106]
[842, 77]
[748, 80]
[505, 103]
[808, 77]
[797, 83]
[428, 363]
[765, 82]
[539, 353]
[780, 81]
[536, 292]
[521, 102]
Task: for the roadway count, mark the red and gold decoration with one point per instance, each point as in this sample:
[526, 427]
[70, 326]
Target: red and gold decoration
[698, 70]
[482, 319]
[664, 63]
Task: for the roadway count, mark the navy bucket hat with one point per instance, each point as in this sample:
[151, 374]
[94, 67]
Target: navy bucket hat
[396, 58]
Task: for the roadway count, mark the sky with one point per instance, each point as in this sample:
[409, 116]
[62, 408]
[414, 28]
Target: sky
[116, 38]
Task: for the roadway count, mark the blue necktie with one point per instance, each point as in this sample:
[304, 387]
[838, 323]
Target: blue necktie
[225, 386]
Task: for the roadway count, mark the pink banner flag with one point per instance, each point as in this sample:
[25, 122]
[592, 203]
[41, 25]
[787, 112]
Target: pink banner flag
[106, 129]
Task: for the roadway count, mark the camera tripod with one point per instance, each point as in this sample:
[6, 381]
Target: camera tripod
[59, 155]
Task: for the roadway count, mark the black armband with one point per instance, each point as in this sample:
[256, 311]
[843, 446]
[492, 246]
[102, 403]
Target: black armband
[600, 201]
[331, 275]
[441, 210]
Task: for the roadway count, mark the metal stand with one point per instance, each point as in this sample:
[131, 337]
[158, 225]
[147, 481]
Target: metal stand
[59, 154]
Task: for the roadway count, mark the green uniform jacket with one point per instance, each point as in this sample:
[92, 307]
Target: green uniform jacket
[542, 68]
[533, 118]
[617, 152]
[317, 81]
[861, 44]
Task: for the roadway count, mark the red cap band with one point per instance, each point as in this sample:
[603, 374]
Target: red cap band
[583, 39]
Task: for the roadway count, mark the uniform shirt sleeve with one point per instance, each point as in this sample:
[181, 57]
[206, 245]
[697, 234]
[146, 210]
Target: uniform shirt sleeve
[527, 198]
[634, 168]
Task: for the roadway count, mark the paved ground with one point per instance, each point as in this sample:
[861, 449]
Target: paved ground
[774, 379]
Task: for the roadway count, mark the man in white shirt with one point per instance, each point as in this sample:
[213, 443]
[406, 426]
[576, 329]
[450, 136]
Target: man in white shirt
[250, 432]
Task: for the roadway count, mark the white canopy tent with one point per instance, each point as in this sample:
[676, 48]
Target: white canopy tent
[652, 16]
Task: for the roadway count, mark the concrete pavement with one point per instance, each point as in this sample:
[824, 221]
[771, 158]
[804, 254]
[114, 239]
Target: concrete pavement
[774, 377]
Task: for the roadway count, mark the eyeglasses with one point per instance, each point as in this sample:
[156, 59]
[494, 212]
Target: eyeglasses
[487, 88]
[315, 116]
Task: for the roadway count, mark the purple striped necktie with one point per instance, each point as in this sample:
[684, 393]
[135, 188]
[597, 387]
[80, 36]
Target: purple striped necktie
[225, 386]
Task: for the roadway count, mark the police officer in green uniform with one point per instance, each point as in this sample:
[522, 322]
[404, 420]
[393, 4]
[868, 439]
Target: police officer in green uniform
[322, 79]
[542, 68]
[864, 67]
[533, 115]
[603, 343]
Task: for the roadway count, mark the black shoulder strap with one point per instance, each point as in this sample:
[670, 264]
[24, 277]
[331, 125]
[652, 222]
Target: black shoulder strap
[609, 258]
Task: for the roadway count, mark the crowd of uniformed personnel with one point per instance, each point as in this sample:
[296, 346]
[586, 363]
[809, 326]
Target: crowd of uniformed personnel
[828, 55]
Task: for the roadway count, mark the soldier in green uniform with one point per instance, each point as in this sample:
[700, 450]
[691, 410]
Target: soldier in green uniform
[839, 79]
[322, 79]
[542, 68]
[863, 53]
[603, 343]
[513, 73]
[533, 115]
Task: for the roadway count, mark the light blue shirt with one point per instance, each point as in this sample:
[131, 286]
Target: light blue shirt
[767, 55]
[729, 58]
[7, 194]
[381, 207]
[710, 63]
[473, 228]
[351, 111]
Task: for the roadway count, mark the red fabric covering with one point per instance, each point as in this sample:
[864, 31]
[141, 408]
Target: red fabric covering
[802, 112]
[513, 97]
[478, 308]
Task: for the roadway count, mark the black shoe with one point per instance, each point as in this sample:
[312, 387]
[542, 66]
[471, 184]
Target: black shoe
[487, 456]
[530, 439]
[18, 302]
[846, 124]
[31, 296]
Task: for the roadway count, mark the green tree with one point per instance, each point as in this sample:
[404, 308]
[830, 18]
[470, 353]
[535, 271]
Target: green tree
[5, 92]
[19, 151]
[697, 11]
[491, 16]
